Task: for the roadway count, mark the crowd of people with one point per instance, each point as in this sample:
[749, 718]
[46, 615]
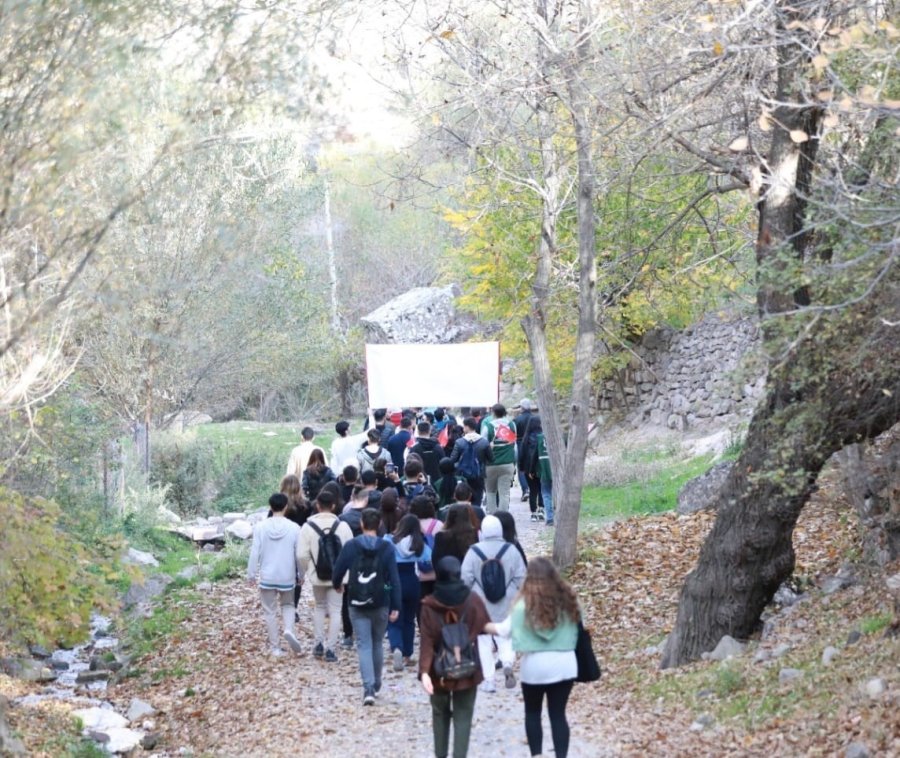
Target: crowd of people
[415, 532]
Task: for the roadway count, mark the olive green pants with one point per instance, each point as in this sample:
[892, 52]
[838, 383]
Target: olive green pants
[459, 708]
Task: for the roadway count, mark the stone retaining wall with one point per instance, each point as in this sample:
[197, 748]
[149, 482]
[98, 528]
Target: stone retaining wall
[706, 375]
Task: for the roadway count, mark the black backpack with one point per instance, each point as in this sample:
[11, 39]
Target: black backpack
[468, 464]
[366, 586]
[329, 550]
[493, 576]
[456, 657]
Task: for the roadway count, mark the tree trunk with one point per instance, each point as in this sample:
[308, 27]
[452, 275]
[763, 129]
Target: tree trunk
[839, 385]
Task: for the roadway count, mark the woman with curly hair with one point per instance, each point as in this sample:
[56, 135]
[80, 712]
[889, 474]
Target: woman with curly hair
[543, 625]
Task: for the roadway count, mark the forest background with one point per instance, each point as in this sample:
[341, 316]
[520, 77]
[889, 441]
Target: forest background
[199, 201]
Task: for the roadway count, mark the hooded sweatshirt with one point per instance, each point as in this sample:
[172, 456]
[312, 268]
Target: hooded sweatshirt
[513, 567]
[527, 639]
[482, 449]
[308, 548]
[275, 554]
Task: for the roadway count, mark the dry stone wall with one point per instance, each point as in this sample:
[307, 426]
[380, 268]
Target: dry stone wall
[704, 376]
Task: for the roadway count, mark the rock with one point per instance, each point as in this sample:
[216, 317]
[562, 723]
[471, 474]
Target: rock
[785, 596]
[706, 692]
[123, 739]
[229, 517]
[86, 677]
[856, 750]
[39, 651]
[788, 675]
[420, 315]
[152, 587]
[728, 647]
[703, 721]
[209, 547]
[101, 738]
[241, 529]
[204, 587]
[58, 665]
[875, 688]
[188, 573]
[139, 709]
[782, 650]
[205, 534]
[9, 745]
[167, 516]
[26, 669]
[832, 584]
[139, 558]
[893, 584]
[828, 655]
[699, 493]
[762, 655]
[150, 740]
[854, 637]
[100, 719]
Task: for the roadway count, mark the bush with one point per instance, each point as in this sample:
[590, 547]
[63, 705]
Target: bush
[185, 466]
[49, 582]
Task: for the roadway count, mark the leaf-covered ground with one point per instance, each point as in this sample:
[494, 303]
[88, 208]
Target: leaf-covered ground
[219, 694]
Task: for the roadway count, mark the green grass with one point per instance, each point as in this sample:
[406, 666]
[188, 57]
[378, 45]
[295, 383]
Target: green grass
[144, 634]
[654, 494]
[873, 624]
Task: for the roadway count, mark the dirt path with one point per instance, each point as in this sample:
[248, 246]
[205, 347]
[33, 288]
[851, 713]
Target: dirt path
[219, 693]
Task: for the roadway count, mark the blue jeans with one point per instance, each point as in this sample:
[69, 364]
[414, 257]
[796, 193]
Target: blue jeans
[523, 482]
[369, 625]
[402, 632]
[547, 495]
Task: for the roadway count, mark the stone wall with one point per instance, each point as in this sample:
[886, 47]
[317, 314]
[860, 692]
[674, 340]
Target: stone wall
[704, 376]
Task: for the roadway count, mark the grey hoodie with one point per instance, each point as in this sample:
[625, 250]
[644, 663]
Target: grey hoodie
[513, 566]
[275, 553]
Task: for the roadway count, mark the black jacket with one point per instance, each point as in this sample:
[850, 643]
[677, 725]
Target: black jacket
[431, 452]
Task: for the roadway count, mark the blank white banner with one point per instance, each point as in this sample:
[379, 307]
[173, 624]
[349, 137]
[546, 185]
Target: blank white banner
[406, 376]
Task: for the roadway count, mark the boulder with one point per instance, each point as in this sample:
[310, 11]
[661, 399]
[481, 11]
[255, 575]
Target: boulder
[728, 647]
[856, 750]
[241, 529]
[152, 587]
[123, 739]
[781, 650]
[139, 709]
[139, 558]
[100, 719]
[420, 315]
[789, 675]
[699, 493]
[874, 688]
[828, 655]
[167, 516]
[26, 669]
[229, 517]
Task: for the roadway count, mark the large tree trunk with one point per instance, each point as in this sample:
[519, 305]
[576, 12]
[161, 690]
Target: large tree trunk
[839, 385]
[813, 401]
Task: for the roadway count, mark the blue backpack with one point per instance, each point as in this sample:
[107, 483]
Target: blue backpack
[468, 464]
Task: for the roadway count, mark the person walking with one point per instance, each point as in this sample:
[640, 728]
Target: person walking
[373, 588]
[299, 458]
[452, 700]
[543, 626]
[497, 589]
[371, 452]
[314, 536]
[500, 432]
[410, 547]
[273, 560]
[345, 445]
[316, 475]
[471, 454]
[430, 450]
[521, 422]
[458, 534]
[530, 464]
[546, 477]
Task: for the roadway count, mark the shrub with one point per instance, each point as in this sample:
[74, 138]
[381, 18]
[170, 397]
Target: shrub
[49, 582]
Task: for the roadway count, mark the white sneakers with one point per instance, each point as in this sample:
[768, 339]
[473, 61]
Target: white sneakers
[293, 641]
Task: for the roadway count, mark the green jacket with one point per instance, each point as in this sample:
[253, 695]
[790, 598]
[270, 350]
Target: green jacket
[543, 461]
[504, 451]
[525, 639]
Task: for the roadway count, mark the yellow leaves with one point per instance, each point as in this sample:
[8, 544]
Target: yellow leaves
[739, 144]
[765, 121]
[718, 48]
[798, 136]
[447, 34]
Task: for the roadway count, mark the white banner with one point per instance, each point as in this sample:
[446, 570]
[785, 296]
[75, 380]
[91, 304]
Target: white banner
[413, 376]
